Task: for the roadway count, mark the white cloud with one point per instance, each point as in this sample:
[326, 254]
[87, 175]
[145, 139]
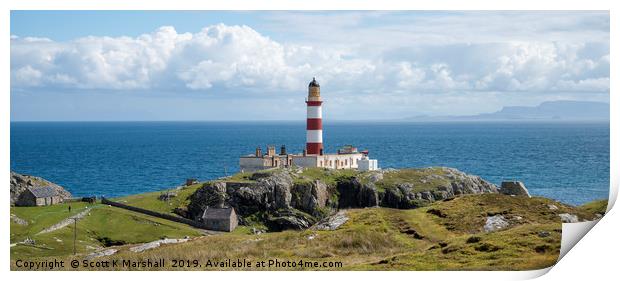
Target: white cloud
[234, 59]
[27, 75]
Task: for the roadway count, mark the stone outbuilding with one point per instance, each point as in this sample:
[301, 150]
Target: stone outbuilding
[220, 219]
[39, 196]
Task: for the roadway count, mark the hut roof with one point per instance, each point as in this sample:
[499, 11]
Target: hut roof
[217, 213]
[43, 191]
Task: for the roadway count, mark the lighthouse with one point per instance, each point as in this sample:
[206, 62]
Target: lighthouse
[313, 156]
[314, 123]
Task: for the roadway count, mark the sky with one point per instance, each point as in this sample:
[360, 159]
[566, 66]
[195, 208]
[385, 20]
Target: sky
[256, 65]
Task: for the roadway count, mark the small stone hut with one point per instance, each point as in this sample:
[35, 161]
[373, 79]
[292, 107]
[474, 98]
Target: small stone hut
[220, 219]
[39, 196]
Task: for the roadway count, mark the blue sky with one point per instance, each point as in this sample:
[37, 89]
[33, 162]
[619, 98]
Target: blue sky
[214, 65]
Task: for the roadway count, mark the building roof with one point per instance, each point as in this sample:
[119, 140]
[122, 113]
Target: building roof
[43, 191]
[217, 213]
[314, 83]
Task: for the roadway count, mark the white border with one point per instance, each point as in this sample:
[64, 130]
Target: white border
[595, 255]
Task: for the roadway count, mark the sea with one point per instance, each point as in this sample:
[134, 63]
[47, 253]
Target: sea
[568, 162]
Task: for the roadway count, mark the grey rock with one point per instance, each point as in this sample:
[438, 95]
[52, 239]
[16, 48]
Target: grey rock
[427, 195]
[375, 177]
[354, 194]
[544, 234]
[211, 194]
[155, 244]
[402, 195]
[281, 184]
[289, 219]
[552, 207]
[18, 220]
[515, 188]
[106, 252]
[568, 218]
[310, 197]
[166, 196]
[495, 223]
[332, 222]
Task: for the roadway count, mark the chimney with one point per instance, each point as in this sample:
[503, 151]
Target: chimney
[282, 150]
[305, 153]
[258, 152]
[321, 151]
[271, 150]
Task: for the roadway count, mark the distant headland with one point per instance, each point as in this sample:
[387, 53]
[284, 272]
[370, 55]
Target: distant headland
[562, 110]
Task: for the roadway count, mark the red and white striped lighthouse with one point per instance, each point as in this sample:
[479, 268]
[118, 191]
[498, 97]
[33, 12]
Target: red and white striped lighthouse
[314, 123]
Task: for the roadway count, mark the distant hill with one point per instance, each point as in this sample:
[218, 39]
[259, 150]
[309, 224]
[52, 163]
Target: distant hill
[546, 111]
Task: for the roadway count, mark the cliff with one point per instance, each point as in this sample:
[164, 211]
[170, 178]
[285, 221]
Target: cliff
[296, 199]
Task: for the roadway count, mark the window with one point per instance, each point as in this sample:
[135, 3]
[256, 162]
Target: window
[345, 162]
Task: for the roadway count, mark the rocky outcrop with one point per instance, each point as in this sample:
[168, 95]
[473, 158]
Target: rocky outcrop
[310, 197]
[495, 223]
[285, 199]
[354, 194]
[568, 218]
[515, 188]
[332, 222]
[407, 195]
[284, 205]
[289, 219]
[19, 184]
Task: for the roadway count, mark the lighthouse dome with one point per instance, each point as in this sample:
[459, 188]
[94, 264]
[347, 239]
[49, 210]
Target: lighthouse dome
[314, 83]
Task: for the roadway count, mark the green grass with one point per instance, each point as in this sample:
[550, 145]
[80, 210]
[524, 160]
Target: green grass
[242, 177]
[327, 176]
[151, 200]
[467, 214]
[422, 179]
[104, 221]
[519, 248]
[39, 218]
[597, 207]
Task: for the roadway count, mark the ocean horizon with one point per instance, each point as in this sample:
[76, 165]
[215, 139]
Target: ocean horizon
[566, 161]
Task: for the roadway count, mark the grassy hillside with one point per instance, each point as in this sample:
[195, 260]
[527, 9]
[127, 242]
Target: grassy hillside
[446, 235]
[103, 226]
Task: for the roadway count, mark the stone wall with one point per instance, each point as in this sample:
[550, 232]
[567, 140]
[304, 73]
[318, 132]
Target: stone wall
[155, 214]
